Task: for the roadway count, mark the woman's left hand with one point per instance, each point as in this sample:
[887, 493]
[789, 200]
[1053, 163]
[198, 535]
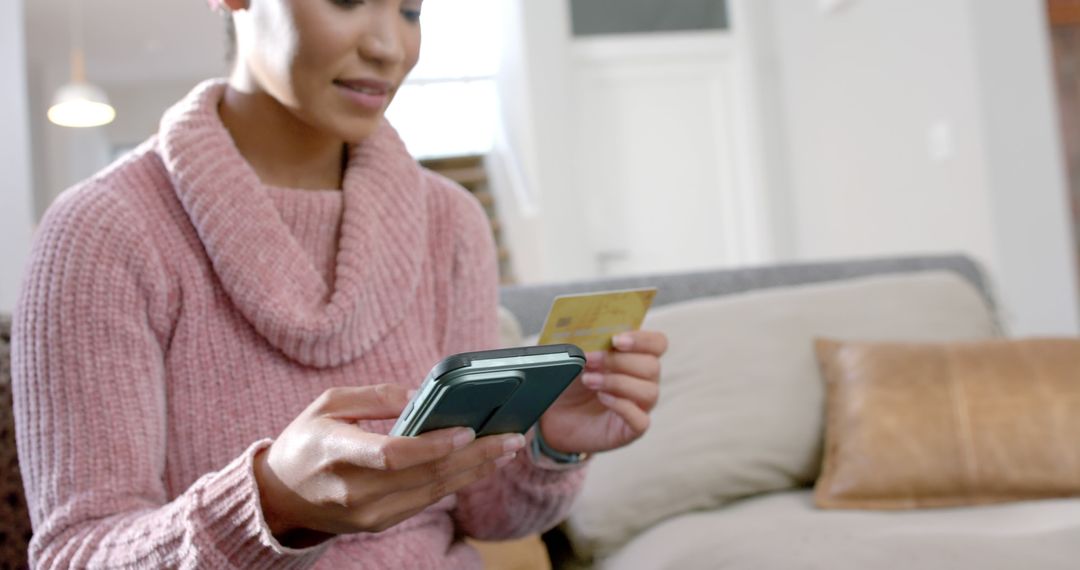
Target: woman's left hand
[608, 406]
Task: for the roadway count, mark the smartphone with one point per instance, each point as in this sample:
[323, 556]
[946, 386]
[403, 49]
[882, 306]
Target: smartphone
[491, 391]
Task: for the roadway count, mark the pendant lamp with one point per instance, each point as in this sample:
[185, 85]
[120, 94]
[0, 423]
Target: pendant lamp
[80, 103]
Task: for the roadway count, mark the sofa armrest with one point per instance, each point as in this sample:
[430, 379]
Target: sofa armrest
[14, 517]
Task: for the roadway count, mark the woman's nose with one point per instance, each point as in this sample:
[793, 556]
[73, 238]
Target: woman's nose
[383, 41]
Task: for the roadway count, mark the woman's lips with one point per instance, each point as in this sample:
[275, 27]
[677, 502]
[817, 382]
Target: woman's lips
[368, 94]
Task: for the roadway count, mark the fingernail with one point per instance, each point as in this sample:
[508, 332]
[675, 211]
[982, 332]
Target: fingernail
[463, 437]
[623, 341]
[592, 379]
[594, 360]
[502, 461]
[411, 393]
[513, 443]
[607, 399]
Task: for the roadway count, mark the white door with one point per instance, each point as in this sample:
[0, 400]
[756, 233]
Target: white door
[655, 151]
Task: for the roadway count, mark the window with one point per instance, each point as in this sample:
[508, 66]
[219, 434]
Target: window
[449, 104]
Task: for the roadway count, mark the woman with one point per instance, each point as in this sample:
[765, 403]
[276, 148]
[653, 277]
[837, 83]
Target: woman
[216, 333]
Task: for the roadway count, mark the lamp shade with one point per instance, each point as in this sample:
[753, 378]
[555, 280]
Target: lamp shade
[81, 105]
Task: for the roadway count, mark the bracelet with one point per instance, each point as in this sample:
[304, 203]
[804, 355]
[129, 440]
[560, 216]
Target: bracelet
[545, 456]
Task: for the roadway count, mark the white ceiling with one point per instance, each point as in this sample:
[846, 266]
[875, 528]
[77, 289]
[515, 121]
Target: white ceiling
[129, 41]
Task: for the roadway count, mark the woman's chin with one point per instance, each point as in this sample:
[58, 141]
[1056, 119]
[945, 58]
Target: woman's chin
[355, 130]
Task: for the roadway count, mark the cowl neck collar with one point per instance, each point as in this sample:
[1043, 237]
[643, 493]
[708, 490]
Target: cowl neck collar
[262, 267]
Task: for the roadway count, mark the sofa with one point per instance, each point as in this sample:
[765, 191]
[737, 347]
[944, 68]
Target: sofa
[14, 519]
[723, 478]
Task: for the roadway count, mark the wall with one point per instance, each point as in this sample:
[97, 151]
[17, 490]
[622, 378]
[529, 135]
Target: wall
[923, 126]
[546, 227]
[860, 95]
[15, 193]
[512, 165]
[145, 55]
[61, 156]
[623, 153]
[143, 104]
[64, 156]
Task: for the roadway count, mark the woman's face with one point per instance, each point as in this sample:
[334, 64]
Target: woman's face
[335, 64]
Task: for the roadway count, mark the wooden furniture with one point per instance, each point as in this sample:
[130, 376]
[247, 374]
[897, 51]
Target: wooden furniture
[1064, 20]
[469, 172]
[1063, 12]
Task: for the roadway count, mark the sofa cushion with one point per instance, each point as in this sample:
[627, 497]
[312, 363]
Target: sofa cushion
[509, 329]
[785, 530]
[912, 425]
[741, 404]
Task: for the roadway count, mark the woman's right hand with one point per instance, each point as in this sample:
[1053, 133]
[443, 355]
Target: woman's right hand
[325, 476]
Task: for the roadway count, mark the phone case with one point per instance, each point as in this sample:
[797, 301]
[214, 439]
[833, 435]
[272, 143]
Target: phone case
[491, 391]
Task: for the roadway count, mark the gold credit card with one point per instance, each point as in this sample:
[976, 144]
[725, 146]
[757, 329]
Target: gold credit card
[591, 320]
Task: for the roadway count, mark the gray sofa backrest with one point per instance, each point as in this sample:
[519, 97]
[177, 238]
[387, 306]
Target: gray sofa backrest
[530, 303]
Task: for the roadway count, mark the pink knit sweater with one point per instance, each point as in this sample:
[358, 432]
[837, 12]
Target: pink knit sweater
[177, 314]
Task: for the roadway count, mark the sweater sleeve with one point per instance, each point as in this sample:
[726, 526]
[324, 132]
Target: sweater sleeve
[521, 498]
[90, 333]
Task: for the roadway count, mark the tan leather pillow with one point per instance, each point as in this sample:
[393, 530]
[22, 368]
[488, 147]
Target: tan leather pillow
[948, 424]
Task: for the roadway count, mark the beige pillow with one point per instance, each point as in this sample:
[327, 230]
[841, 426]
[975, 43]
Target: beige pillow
[949, 424]
[742, 401]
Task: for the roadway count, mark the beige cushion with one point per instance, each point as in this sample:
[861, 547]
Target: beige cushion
[912, 425]
[741, 405]
[785, 531]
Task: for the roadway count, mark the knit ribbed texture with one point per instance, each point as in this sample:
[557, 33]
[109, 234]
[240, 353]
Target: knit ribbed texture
[314, 217]
[177, 314]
